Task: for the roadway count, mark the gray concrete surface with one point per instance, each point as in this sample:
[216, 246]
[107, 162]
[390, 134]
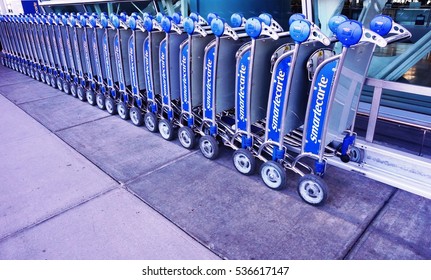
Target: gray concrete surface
[203, 204]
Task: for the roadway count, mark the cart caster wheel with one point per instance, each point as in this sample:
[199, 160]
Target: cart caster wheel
[345, 158]
[42, 78]
[244, 162]
[32, 74]
[273, 175]
[37, 75]
[100, 101]
[209, 147]
[136, 116]
[166, 129]
[123, 110]
[66, 87]
[53, 82]
[150, 121]
[80, 93]
[312, 189]
[73, 90]
[48, 79]
[187, 137]
[110, 106]
[91, 97]
[59, 83]
[356, 154]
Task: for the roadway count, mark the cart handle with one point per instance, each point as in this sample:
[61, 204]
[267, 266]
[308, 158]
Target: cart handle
[335, 21]
[168, 25]
[196, 17]
[384, 25]
[150, 24]
[237, 20]
[211, 17]
[351, 32]
[190, 26]
[255, 27]
[269, 20]
[220, 28]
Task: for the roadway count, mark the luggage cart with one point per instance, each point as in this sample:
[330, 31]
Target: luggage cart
[64, 77]
[19, 52]
[71, 82]
[334, 99]
[95, 36]
[50, 79]
[104, 99]
[192, 51]
[286, 115]
[58, 68]
[218, 86]
[88, 83]
[36, 63]
[169, 63]
[155, 35]
[136, 60]
[123, 96]
[13, 54]
[25, 55]
[253, 79]
[39, 32]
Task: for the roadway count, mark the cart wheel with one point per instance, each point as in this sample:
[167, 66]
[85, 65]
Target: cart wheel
[209, 147]
[73, 90]
[150, 121]
[187, 137]
[356, 154]
[100, 101]
[47, 79]
[90, 96]
[123, 110]
[136, 116]
[110, 106]
[312, 189]
[53, 82]
[59, 83]
[166, 129]
[42, 77]
[80, 92]
[37, 75]
[32, 73]
[244, 161]
[66, 87]
[273, 175]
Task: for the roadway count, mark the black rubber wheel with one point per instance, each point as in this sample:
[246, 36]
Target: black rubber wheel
[136, 116]
[123, 110]
[209, 147]
[166, 129]
[150, 121]
[312, 189]
[42, 77]
[80, 93]
[273, 175]
[53, 82]
[47, 79]
[90, 96]
[100, 101]
[37, 75]
[73, 90]
[244, 162]
[59, 83]
[356, 154]
[187, 137]
[110, 106]
[66, 87]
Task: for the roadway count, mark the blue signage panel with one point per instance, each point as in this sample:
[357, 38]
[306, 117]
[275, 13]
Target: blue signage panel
[209, 82]
[96, 58]
[318, 107]
[184, 78]
[119, 62]
[132, 65]
[164, 79]
[87, 55]
[106, 55]
[148, 69]
[277, 98]
[242, 91]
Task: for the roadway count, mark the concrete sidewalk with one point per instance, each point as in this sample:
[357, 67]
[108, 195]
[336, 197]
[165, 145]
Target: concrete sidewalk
[78, 183]
[56, 204]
